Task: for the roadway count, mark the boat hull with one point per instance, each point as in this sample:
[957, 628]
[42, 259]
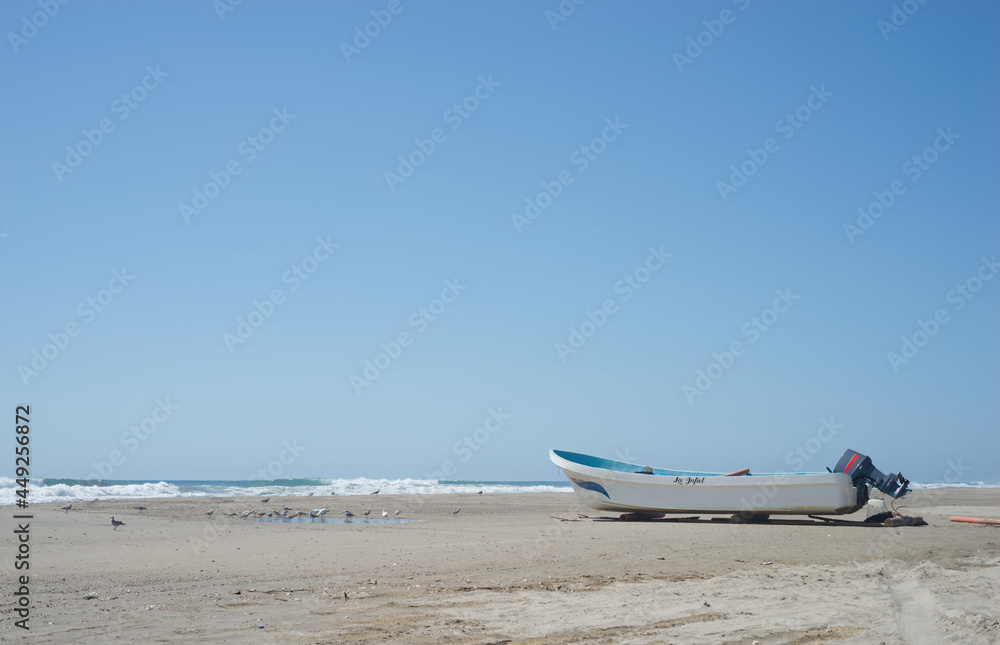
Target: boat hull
[617, 486]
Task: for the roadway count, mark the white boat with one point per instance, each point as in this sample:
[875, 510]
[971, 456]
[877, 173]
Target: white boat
[610, 485]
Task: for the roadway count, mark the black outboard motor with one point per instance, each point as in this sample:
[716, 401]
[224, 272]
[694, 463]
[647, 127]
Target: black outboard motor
[861, 470]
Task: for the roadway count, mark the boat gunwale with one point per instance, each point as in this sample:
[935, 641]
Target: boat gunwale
[635, 473]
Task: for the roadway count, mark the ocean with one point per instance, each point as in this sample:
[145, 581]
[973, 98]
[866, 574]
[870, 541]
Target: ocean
[44, 490]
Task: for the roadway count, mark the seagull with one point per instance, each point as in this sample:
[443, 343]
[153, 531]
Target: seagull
[286, 508]
[139, 508]
[376, 492]
[348, 514]
[115, 523]
[479, 493]
[246, 513]
[230, 514]
[396, 513]
[317, 512]
[333, 492]
[209, 513]
[456, 511]
[265, 500]
[367, 513]
[309, 495]
[384, 514]
[66, 508]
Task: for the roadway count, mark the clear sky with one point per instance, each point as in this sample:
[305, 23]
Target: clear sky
[232, 211]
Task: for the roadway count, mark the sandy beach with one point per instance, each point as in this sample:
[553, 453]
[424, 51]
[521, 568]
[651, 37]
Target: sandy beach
[503, 570]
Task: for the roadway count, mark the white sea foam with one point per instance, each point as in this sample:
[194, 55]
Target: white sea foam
[71, 490]
[932, 486]
[67, 491]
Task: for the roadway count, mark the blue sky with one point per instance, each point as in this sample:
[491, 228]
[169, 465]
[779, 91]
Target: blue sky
[717, 174]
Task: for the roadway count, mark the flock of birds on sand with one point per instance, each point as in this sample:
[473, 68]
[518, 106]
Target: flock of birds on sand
[287, 513]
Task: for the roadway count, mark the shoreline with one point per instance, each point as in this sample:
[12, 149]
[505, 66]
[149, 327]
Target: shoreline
[172, 573]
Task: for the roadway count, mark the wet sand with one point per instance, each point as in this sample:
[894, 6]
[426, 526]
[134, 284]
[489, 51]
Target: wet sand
[501, 571]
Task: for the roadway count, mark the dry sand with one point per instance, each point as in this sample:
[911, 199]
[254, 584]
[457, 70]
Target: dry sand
[501, 571]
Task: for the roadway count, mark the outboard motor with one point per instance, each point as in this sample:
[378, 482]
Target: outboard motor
[861, 470]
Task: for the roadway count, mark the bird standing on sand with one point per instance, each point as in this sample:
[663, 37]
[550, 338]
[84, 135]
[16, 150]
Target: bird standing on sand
[456, 511]
[367, 513]
[396, 513]
[139, 508]
[265, 500]
[384, 514]
[286, 508]
[376, 491]
[66, 508]
[209, 513]
[348, 514]
[246, 513]
[115, 523]
[318, 512]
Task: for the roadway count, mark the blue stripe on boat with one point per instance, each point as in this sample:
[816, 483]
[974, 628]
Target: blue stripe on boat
[594, 486]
